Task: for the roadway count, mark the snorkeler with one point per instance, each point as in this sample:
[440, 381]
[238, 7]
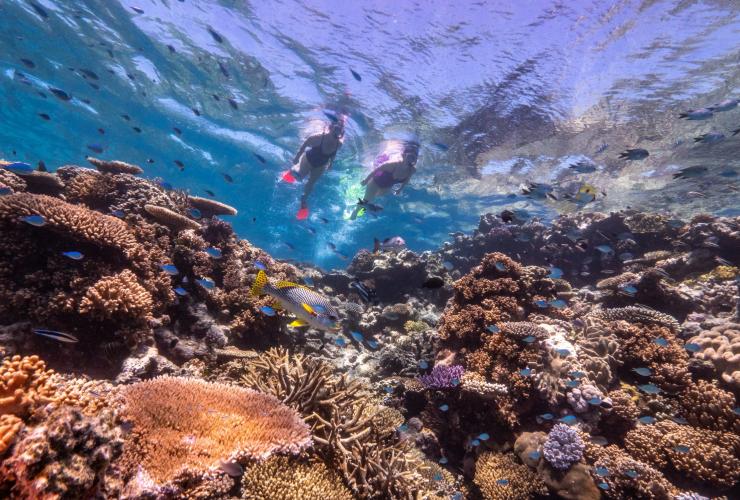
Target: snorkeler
[386, 176]
[320, 150]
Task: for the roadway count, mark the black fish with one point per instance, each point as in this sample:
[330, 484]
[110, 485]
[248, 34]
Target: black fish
[94, 85]
[86, 101]
[45, 116]
[209, 192]
[736, 131]
[42, 166]
[137, 10]
[289, 245]
[149, 160]
[228, 178]
[89, 74]
[433, 282]
[215, 35]
[130, 76]
[223, 69]
[28, 63]
[233, 104]
[137, 130]
[215, 97]
[260, 158]
[197, 113]
[58, 336]
[126, 117]
[180, 164]
[177, 130]
[356, 75]
[507, 216]
[101, 130]
[634, 154]
[172, 49]
[110, 53]
[60, 94]
[366, 293]
[39, 10]
[324, 220]
[95, 148]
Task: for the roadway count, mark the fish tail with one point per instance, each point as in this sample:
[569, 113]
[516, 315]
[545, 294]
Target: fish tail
[259, 283]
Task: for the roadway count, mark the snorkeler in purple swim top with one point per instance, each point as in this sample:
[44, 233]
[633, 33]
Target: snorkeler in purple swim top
[384, 177]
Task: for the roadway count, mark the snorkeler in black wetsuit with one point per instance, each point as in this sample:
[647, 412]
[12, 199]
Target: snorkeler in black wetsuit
[320, 150]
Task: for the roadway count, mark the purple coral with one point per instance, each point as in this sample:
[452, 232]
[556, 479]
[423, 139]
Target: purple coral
[563, 447]
[443, 377]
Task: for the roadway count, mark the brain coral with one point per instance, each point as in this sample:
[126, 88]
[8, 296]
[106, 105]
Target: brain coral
[289, 478]
[185, 422]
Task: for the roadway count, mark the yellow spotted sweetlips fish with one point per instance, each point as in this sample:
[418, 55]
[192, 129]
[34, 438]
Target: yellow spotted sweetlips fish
[311, 308]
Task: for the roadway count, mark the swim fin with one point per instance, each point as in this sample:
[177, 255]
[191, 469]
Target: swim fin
[302, 214]
[288, 177]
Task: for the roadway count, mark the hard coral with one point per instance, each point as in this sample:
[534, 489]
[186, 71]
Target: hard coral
[117, 297]
[721, 346]
[170, 218]
[706, 405]
[24, 384]
[636, 314]
[563, 447]
[9, 427]
[293, 479]
[184, 422]
[211, 207]
[500, 477]
[115, 166]
[443, 377]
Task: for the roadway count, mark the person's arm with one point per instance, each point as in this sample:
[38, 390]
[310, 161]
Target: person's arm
[311, 141]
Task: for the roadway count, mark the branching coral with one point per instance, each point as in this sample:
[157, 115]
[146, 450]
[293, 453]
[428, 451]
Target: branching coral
[443, 377]
[115, 166]
[118, 296]
[293, 479]
[9, 427]
[706, 405]
[25, 383]
[563, 447]
[699, 454]
[183, 422]
[500, 477]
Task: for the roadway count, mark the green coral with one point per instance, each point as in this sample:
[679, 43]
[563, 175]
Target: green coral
[415, 326]
[720, 273]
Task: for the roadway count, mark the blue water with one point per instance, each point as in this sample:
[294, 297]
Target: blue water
[497, 94]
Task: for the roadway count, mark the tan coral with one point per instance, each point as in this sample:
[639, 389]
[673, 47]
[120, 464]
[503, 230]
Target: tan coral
[500, 477]
[615, 282]
[9, 427]
[171, 218]
[636, 314]
[115, 166]
[721, 346]
[70, 220]
[25, 383]
[185, 422]
[475, 383]
[11, 180]
[117, 296]
[706, 405]
[293, 479]
[211, 207]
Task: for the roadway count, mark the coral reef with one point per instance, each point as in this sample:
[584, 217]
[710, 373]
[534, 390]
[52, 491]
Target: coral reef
[563, 447]
[171, 218]
[24, 384]
[443, 377]
[293, 479]
[115, 166]
[721, 346]
[499, 476]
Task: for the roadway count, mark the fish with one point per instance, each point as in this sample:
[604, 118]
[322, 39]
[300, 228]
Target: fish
[195, 213]
[595, 401]
[95, 148]
[697, 114]
[682, 448]
[366, 293]
[568, 419]
[563, 352]
[438, 476]
[546, 416]
[215, 253]
[136, 129]
[29, 63]
[357, 336]
[441, 146]
[372, 344]
[576, 374]
[369, 206]
[586, 194]
[601, 471]
[423, 364]
[730, 172]
[680, 420]
[126, 117]
[179, 164]
[692, 347]
[42, 166]
[267, 310]
[629, 289]
[542, 304]
[260, 158]
[603, 486]
[340, 341]
[74, 255]
[650, 389]
[259, 265]
[525, 372]
[45, 116]
[231, 468]
[537, 190]
[118, 213]
[449, 266]
[177, 130]
[583, 167]
[433, 282]
[606, 249]
[58, 336]
[60, 94]
[647, 420]
[558, 303]
[289, 245]
[725, 105]
[169, 269]
[392, 243]
[34, 220]
[689, 172]
[4, 190]
[443, 460]
[631, 473]
[572, 383]
[493, 329]
[215, 35]
[502, 482]
[710, 138]
[195, 111]
[634, 154]
[500, 266]
[18, 167]
[529, 339]
[475, 442]
[356, 75]
[662, 342]
[444, 407]
[137, 9]
[645, 372]
[601, 149]
[206, 283]
[555, 273]
[233, 104]
[299, 300]
[535, 455]
[181, 291]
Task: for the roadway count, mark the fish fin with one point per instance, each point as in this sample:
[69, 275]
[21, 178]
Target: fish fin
[289, 284]
[259, 283]
[297, 322]
[308, 309]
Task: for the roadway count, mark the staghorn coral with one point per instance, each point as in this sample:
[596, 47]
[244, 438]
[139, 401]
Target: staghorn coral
[185, 422]
[117, 297]
[702, 455]
[706, 405]
[500, 477]
[170, 218]
[289, 478]
[9, 427]
[477, 384]
[25, 383]
[71, 220]
[67, 456]
[721, 346]
[563, 447]
[616, 282]
[115, 166]
[211, 207]
[636, 314]
[443, 377]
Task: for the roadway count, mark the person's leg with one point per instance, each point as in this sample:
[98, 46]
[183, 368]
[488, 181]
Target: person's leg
[302, 168]
[314, 176]
[371, 191]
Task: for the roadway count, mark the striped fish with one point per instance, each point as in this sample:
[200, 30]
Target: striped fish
[311, 308]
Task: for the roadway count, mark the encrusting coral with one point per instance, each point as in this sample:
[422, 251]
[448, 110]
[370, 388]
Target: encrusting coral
[185, 422]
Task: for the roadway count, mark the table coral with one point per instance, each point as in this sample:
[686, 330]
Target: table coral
[170, 218]
[500, 477]
[293, 479]
[636, 314]
[115, 166]
[180, 422]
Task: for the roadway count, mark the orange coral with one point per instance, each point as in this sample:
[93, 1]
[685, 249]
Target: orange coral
[117, 296]
[184, 422]
[706, 405]
[71, 220]
[24, 383]
[170, 218]
[9, 427]
[211, 207]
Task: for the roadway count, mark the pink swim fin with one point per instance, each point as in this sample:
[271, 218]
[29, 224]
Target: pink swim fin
[288, 177]
[302, 214]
